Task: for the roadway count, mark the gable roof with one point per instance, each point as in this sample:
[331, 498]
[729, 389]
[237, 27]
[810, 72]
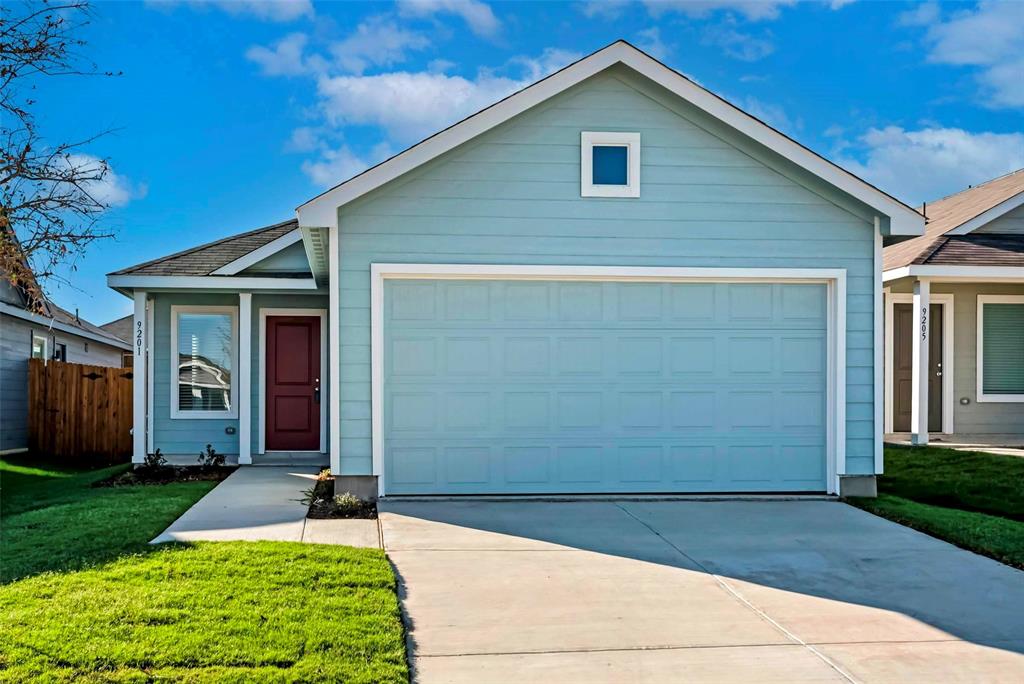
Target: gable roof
[956, 215]
[120, 328]
[205, 259]
[321, 211]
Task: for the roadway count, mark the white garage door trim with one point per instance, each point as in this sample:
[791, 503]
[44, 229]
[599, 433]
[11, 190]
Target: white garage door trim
[834, 278]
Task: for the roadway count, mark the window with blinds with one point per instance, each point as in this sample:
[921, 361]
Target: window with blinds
[205, 343]
[1002, 348]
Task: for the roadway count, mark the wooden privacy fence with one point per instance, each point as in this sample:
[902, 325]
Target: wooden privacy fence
[79, 412]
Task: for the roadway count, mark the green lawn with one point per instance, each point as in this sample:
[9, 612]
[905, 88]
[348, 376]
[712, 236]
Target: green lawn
[972, 499]
[85, 598]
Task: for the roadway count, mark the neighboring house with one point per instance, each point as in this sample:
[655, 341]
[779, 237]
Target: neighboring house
[610, 281]
[955, 306]
[53, 333]
[121, 328]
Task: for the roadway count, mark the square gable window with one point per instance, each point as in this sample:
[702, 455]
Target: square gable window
[609, 164]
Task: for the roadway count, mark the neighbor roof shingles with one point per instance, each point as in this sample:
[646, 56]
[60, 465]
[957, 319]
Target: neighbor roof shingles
[205, 259]
[948, 213]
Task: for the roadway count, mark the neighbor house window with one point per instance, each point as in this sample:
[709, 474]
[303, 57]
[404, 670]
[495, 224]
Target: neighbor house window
[204, 346]
[39, 347]
[1001, 348]
[60, 352]
[609, 164]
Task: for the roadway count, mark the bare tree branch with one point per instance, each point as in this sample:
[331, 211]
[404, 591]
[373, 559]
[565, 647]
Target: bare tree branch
[49, 209]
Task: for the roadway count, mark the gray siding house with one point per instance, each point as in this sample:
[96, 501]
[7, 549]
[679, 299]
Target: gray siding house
[610, 281]
[51, 334]
[955, 320]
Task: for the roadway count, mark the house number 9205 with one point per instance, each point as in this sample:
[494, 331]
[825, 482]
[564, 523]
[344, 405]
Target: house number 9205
[924, 323]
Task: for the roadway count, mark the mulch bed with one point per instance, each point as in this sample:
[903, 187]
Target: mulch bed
[323, 505]
[166, 475]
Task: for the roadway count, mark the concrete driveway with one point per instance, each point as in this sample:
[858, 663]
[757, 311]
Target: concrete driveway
[657, 591]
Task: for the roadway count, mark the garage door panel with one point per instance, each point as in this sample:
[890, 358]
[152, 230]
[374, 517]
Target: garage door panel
[576, 387]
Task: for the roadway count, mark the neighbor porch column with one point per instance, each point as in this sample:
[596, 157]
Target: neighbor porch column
[140, 341]
[919, 389]
[244, 378]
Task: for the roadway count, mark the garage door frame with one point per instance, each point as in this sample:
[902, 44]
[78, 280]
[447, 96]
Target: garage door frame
[833, 278]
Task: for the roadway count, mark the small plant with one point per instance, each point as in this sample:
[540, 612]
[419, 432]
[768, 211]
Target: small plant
[210, 458]
[154, 461]
[348, 504]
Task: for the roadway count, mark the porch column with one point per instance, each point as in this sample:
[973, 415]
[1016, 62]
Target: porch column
[140, 339]
[244, 378]
[919, 389]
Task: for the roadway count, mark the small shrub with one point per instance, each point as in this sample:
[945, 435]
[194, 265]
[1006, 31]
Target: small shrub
[154, 461]
[348, 504]
[210, 458]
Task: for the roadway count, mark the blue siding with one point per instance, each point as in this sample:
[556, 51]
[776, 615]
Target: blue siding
[188, 436]
[708, 198]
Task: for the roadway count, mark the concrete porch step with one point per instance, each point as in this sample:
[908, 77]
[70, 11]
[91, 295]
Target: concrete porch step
[288, 458]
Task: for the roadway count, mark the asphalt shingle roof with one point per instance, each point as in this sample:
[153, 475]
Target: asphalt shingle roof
[949, 213]
[205, 259]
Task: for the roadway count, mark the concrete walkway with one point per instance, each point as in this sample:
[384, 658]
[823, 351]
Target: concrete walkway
[262, 504]
[683, 591]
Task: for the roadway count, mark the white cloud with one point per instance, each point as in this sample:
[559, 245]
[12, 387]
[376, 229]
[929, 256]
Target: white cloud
[649, 40]
[989, 37]
[337, 165]
[603, 9]
[113, 190]
[754, 10]
[378, 41]
[477, 15]
[285, 58]
[303, 139]
[924, 165]
[412, 105]
[408, 106]
[922, 15]
[739, 45]
[264, 10]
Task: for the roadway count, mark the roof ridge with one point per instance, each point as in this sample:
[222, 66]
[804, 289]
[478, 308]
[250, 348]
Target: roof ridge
[925, 254]
[205, 245]
[975, 187]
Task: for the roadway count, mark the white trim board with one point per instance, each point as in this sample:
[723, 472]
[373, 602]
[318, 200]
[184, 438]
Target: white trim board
[989, 215]
[835, 279]
[176, 413]
[948, 341]
[227, 283]
[322, 210]
[981, 396]
[588, 141]
[262, 360]
[259, 254]
[54, 324]
[938, 273]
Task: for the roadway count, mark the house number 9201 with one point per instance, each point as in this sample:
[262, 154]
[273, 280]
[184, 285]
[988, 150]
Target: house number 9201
[138, 338]
[924, 323]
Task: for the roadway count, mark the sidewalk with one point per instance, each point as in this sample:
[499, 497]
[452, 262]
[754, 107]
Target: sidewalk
[262, 504]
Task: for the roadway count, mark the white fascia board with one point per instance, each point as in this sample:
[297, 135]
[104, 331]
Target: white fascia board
[601, 273]
[323, 209]
[63, 327]
[937, 271]
[230, 283]
[1004, 207]
[259, 254]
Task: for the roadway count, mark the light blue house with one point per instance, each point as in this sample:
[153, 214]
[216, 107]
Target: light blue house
[610, 281]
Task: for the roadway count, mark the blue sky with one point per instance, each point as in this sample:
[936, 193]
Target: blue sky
[231, 113]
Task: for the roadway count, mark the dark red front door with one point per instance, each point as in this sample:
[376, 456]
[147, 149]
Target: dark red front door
[293, 383]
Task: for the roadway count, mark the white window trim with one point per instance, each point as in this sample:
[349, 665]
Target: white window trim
[982, 397]
[834, 278]
[325, 396]
[177, 413]
[46, 347]
[948, 340]
[590, 139]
